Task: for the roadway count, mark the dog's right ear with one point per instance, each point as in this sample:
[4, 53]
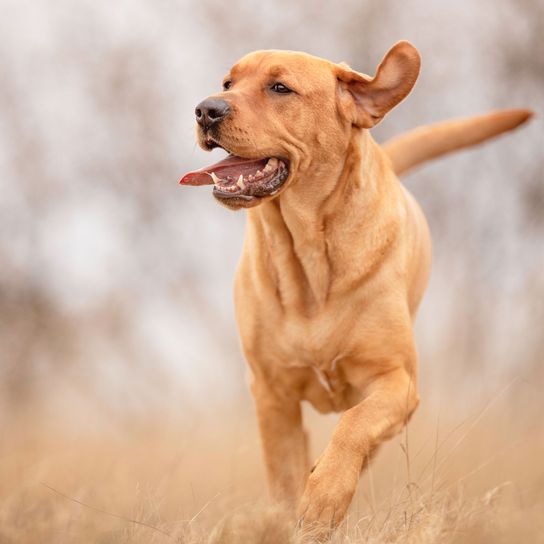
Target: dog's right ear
[366, 100]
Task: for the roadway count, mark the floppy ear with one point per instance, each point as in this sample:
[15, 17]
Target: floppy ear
[366, 100]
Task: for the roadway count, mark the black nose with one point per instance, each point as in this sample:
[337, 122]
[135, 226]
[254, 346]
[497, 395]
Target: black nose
[211, 112]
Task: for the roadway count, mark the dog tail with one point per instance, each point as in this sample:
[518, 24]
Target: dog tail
[428, 142]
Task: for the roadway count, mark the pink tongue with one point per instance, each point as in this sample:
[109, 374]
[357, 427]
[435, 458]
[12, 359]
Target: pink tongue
[231, 166]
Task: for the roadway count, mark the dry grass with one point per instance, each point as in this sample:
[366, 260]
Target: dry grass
[478, 477]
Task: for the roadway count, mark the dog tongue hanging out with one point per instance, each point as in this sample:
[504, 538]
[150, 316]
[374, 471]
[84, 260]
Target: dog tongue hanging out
[335, 260]
[238, 180]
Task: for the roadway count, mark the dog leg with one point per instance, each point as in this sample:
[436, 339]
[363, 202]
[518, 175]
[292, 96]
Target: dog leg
[383, 413]
[284, 444]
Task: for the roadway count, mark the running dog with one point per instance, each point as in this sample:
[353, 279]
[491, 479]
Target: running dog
[336, 254]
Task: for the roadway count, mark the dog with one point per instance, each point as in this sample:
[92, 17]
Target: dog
[336, 256]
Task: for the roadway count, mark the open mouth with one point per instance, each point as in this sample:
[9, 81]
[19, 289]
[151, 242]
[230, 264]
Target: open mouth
[240, 182]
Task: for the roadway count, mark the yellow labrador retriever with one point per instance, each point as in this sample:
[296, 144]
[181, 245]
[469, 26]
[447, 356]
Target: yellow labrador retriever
[336, 255]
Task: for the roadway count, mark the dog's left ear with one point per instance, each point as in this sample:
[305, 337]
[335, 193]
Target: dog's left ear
[366, 100]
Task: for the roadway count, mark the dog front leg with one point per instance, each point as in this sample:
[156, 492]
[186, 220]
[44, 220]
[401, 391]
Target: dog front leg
[330, 488]
[284, 444]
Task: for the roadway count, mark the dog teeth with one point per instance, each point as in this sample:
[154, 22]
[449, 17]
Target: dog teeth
[271, 165]
[240, 182]
[214, 178]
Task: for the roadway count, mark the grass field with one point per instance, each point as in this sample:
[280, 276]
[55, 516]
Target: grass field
[475, 475]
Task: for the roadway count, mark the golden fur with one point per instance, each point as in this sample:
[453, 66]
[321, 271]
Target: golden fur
[333, 267]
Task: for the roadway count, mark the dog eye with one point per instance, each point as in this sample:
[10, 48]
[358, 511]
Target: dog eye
[280, 88]
[227, 85]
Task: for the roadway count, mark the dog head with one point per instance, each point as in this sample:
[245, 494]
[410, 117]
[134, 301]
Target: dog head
[282, 113]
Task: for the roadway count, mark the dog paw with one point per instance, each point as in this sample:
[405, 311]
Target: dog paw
[328, 494]
[316, 462]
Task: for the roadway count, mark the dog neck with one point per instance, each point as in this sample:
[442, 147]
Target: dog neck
[326, 210]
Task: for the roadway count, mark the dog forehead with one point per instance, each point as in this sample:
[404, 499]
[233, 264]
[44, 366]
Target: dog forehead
[277, 63]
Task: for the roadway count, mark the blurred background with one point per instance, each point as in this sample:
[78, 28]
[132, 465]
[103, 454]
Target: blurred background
[116, 283]
[113, 278]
